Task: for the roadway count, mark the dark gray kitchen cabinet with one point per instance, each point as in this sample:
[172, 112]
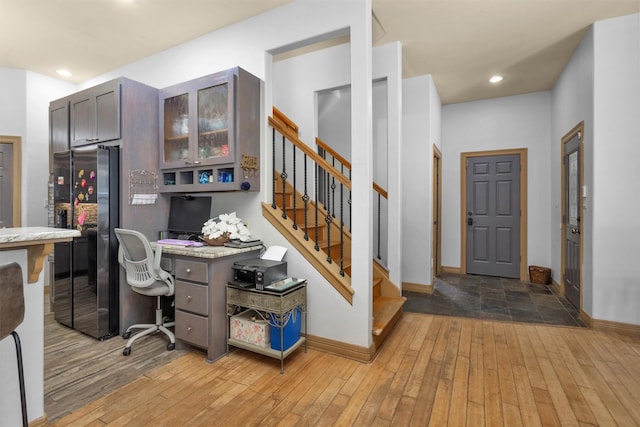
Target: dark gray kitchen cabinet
[95, 114]
[123, 113]
[58, 127]
[210, 133]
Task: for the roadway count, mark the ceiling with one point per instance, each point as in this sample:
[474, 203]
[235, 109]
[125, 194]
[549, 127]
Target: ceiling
[460, 43]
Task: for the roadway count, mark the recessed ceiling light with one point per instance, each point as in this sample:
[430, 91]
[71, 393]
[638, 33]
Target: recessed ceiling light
[496, 79]
[64, 73]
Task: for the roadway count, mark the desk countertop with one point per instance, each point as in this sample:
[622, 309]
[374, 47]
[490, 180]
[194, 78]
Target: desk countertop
[209, 252]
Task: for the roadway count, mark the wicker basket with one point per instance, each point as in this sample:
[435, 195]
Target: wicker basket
[220, 241]
[539, 275]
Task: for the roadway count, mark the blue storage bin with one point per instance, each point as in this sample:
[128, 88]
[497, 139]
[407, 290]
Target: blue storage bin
[291, 331]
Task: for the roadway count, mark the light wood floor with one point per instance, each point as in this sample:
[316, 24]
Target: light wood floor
[432, 370]
[79, 369]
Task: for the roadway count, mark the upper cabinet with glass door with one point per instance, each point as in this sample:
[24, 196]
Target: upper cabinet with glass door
[196, 122]
[210, 133]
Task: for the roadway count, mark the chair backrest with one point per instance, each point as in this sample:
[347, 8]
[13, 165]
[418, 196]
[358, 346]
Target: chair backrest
[11, 298]
[137, 258]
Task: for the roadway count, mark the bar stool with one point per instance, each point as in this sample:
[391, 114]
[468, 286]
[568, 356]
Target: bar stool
[11, 316]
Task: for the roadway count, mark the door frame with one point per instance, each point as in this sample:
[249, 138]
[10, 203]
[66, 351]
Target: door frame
[436, 193]
[16, 142]
[522, 152]
[579, 131]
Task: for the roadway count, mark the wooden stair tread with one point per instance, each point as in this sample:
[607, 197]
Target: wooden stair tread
[385, 310]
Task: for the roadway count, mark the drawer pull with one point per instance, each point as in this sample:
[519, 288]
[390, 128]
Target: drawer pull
[189, 297]
[188, 270]
[188, 328]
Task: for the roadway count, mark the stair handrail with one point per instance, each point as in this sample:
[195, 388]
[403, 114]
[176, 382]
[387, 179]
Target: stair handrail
[381, 191]
[333, 153]
[286, 120]
[289, 129]
[287, 132]
[347, 164]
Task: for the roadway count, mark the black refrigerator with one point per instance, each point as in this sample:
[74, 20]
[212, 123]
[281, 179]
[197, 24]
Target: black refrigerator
[84, 291]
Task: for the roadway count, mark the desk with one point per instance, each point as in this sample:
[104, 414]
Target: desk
[277, 303]
[201, 275]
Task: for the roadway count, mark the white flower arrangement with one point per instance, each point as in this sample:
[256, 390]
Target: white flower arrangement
[226, 226]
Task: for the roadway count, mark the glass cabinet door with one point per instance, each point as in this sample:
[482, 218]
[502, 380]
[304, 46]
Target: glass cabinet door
[215, 120]
[176, 130]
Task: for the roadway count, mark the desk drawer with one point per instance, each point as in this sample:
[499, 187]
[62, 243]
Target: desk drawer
[192, 270]
[192, 297]
[192, 328]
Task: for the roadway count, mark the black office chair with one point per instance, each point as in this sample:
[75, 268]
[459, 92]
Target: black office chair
[11, 316]
[145, 277]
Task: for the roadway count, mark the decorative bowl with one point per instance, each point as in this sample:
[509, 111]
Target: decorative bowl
[220, 241]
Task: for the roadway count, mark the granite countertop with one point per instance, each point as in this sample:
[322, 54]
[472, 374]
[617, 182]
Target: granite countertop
[34, 234]
[38, 241]
[209, 252]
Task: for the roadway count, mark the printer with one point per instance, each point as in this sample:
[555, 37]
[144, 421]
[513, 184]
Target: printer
[258, 272]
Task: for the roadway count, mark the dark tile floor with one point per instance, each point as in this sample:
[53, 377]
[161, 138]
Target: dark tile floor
[484, 297]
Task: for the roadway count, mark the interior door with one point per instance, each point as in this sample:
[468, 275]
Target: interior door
[437, 213]
[493, 215]
[6, 185]
[571, 219]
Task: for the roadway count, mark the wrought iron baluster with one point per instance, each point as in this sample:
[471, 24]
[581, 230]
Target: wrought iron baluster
[273, 165]
[329, 219]
[379, 225]
[349, 202]
[283, 175]
[333, 189]
[316, 246]
[341, 231]
[305, 199]
[295, 194]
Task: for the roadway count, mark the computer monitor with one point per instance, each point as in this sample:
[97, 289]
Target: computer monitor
[188, 214]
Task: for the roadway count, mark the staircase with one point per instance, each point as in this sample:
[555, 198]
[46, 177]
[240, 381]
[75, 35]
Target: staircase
[321, 237]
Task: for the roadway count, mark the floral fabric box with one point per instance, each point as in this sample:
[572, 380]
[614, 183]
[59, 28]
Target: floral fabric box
[250, 328]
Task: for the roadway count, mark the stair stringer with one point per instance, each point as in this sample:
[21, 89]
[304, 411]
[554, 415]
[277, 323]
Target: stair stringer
[330, 271]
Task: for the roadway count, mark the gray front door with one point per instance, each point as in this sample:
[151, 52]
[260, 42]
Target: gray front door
[6, 185]
[571, 220]
[493, 215]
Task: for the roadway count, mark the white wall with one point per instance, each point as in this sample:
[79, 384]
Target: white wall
[435, 115]
[24, 112]
[13, 106]
[521, 121]
[13, 102]
[600, 85]
[616, 175]
[249, 44]
[40, 91]
[571, 103]
[421, 121]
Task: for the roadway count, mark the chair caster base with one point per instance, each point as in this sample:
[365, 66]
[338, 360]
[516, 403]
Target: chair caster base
[126, 351]
[171, 346]
[126, 335]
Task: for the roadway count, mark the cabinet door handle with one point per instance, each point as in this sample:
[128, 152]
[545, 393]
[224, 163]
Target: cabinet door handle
[188, 328]
[196, 162]
[93, 139]
[188, 297]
